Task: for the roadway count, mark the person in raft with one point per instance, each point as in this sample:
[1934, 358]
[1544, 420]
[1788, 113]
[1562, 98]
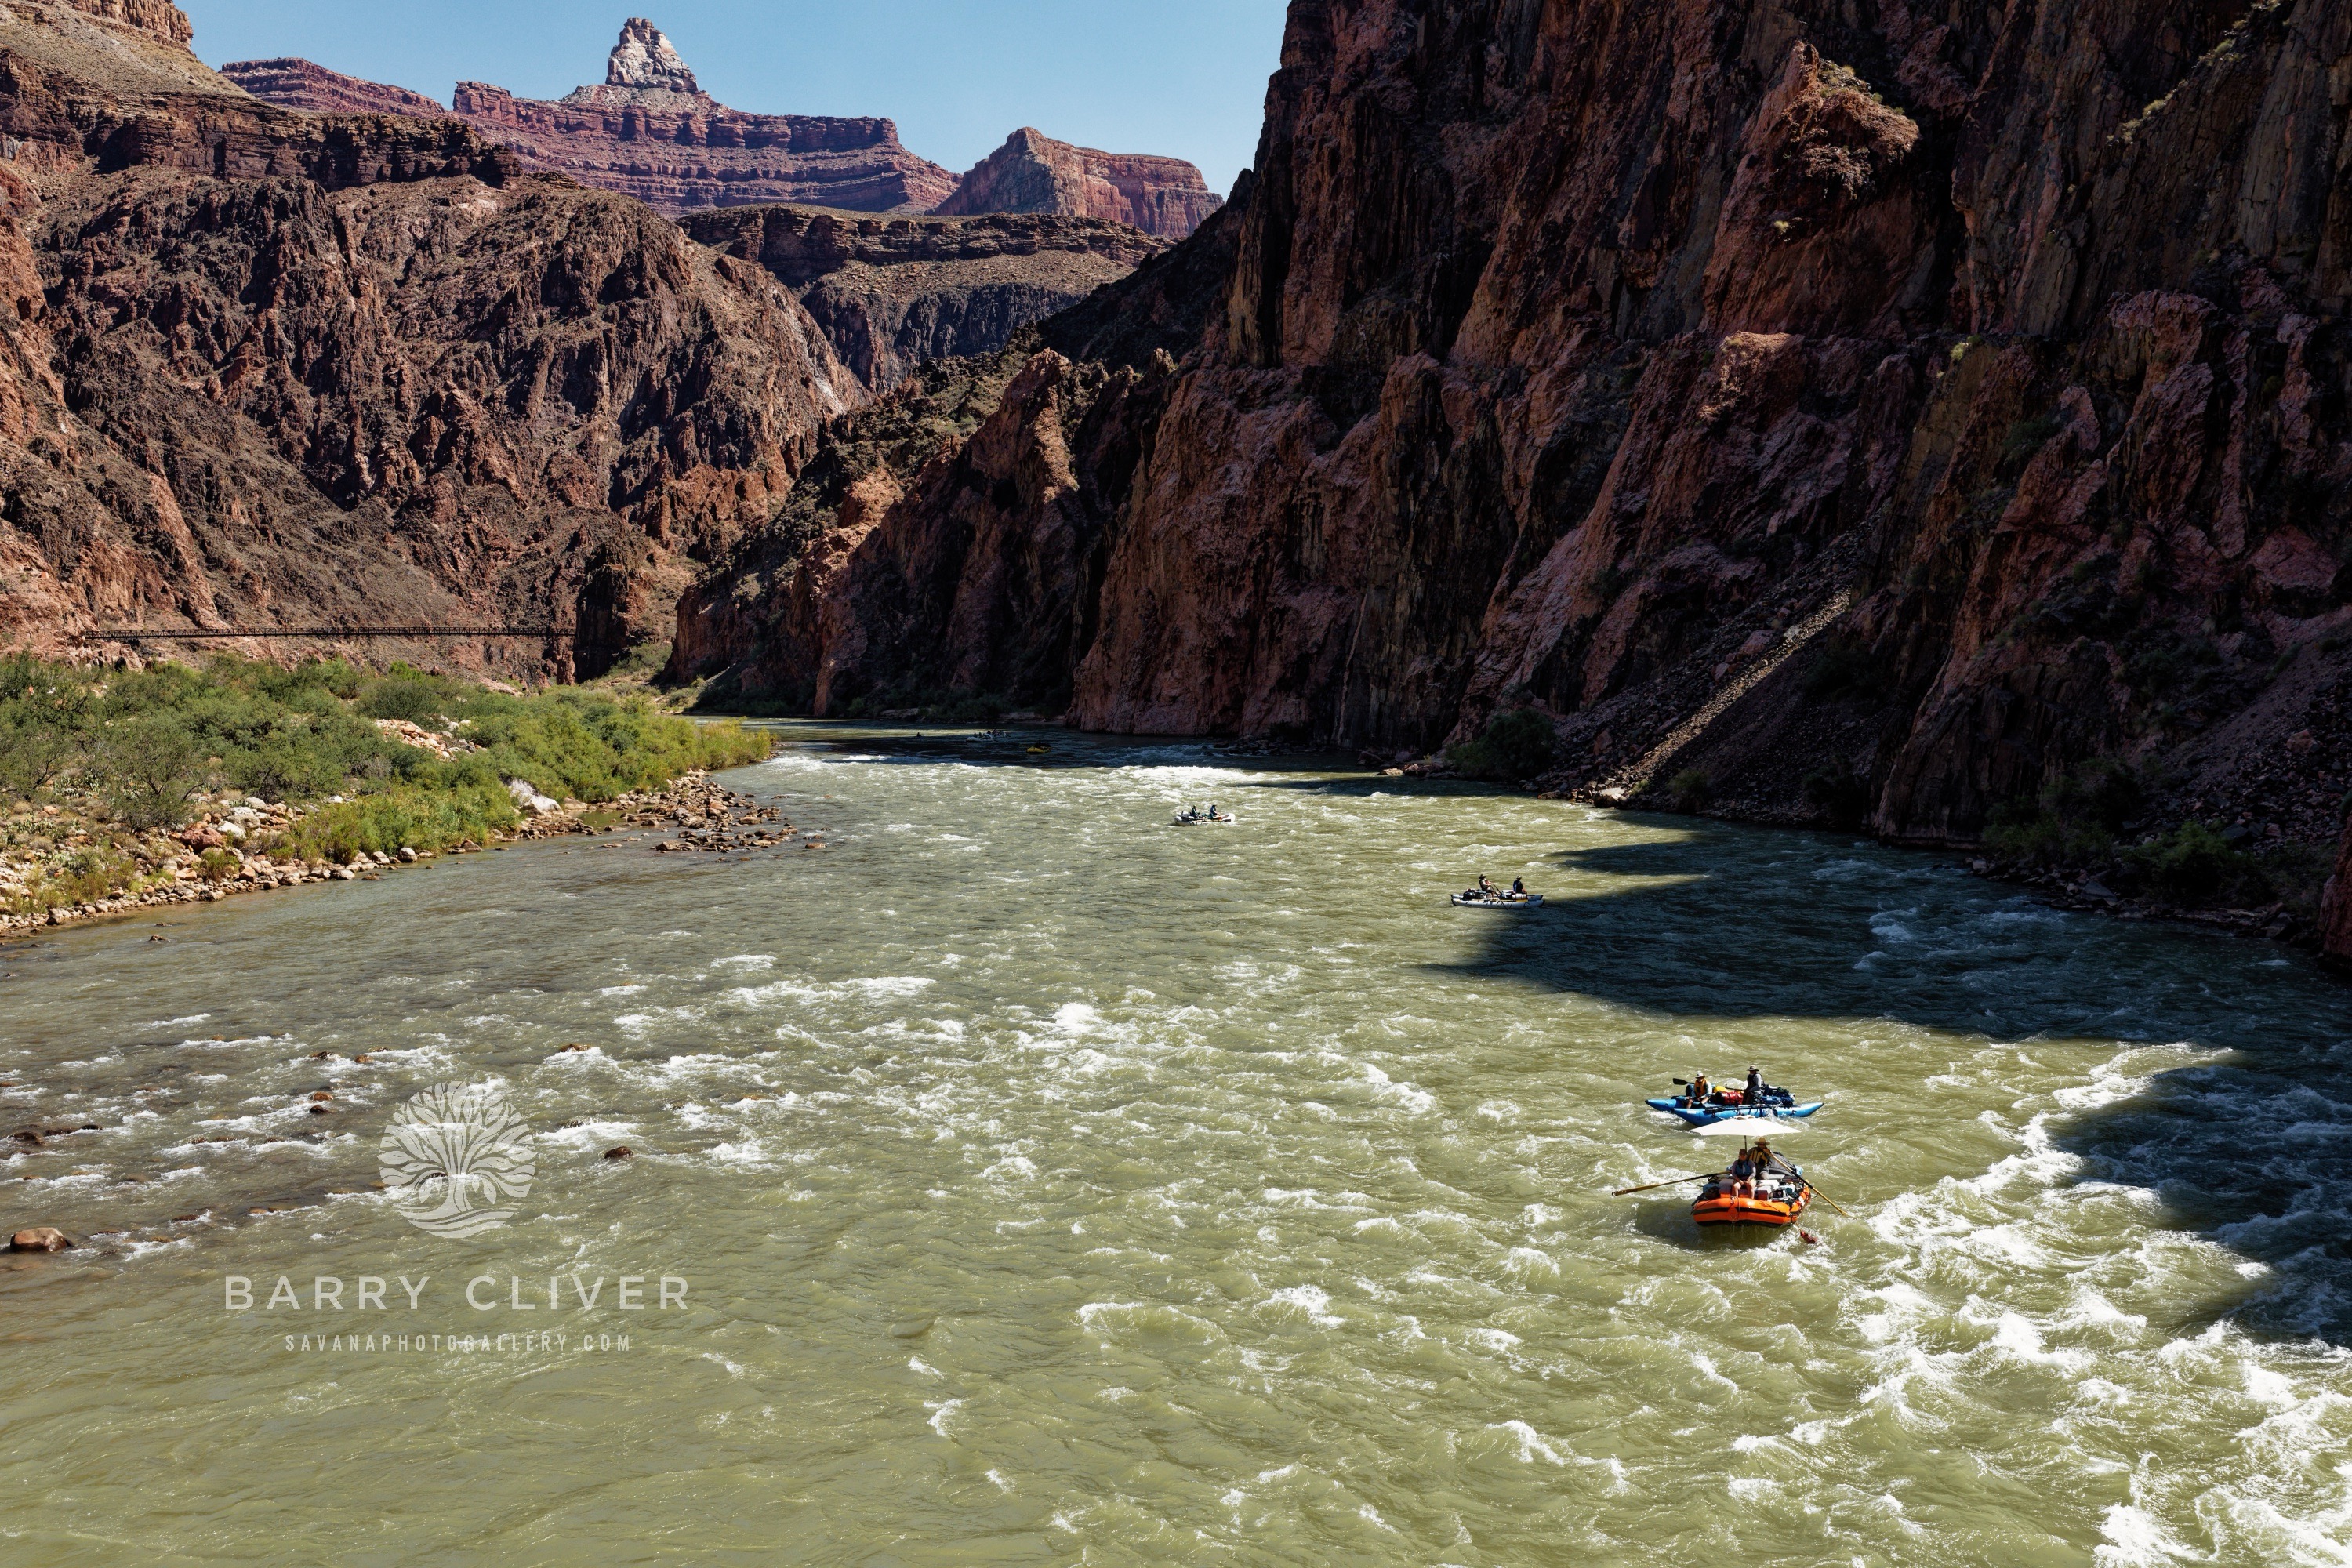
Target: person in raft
[1700, 1088]
[1518, 886]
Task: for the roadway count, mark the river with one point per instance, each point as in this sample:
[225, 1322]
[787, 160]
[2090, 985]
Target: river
[1038, 1184]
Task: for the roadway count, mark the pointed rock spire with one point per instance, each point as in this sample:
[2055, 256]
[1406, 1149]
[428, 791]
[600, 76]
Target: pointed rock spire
[644, 57]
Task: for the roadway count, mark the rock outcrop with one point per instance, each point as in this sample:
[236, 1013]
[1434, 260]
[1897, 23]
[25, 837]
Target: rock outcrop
[1031, 172]
[315, 89]
[1891, 417]
[648, 131]
[259, 365]
[891, 293]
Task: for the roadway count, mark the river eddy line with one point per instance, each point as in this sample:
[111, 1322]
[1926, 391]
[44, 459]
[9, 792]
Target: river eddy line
[1028, 1180]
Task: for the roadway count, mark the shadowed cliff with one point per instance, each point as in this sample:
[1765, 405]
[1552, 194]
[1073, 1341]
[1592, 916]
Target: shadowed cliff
[1887, 413]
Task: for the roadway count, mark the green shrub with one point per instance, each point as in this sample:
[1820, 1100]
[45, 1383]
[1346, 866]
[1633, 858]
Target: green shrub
[44, 711]
[148, 767]
[2073, 822]
[1688, 790]
[1839, 794]
[399, 697]
[420, 819]
[1514, 745]
[146, 740]
[2195, 865]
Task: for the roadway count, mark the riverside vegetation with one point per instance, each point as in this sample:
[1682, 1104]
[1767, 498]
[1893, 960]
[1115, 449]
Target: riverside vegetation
[128, 782]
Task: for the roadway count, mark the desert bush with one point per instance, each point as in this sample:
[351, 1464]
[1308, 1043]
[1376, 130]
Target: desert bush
[148, 766]
[1514, 745]
[2195, 865]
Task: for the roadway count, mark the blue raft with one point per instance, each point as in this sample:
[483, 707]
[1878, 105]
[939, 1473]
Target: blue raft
[1706, 1115]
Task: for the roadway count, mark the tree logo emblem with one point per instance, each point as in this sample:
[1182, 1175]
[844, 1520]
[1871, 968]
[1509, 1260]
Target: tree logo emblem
[455, 1158]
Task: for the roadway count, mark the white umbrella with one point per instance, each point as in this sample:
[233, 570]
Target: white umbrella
[1765, 1127]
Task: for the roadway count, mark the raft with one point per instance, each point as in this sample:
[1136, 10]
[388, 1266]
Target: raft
[1198, 821]
[1706, 1115]
[1532, 901]
[1775, 1201]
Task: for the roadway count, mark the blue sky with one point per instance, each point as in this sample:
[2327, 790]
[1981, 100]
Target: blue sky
[959, 76]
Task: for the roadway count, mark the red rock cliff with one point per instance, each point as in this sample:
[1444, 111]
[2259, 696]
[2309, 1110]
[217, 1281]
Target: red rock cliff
[1891, 412]
[258, 366]
[893, 291]
[299, 84]
[1031, 172]
[648, 130]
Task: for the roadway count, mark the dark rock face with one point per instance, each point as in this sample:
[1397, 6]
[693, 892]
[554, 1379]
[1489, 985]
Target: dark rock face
[315, 89]
[891, 293]
[343, 381]
[1031, 172]
[1941, 400]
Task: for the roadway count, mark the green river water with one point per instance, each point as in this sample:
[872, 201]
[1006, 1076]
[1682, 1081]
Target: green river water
[1051, 1186]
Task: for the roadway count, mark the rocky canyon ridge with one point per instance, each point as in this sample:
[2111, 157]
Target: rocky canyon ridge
[1920, 417]
[259, 366]
[650, 131]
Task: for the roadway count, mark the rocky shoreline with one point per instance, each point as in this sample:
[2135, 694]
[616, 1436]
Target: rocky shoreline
[708, 815]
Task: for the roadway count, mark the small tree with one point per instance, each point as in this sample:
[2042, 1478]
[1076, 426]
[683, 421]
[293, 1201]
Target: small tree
[149, 766]
[44, 714]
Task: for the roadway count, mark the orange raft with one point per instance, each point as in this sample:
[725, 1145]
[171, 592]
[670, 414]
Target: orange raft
[1775, 1198]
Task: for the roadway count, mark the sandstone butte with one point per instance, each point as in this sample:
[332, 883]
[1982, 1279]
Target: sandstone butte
[1031, 172]
[1877, 420]
[650, 131]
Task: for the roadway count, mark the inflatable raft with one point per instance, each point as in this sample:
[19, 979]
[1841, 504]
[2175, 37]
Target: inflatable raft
[1774, 1199]
[1189, 821]
[1504, 901]
[1707, 1115]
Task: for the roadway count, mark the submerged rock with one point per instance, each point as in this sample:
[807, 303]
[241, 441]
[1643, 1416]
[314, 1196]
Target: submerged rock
[40, 1238]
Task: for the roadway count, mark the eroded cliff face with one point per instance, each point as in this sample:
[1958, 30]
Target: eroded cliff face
[1881, 412]
[1031, 172]
[298, 84]
[388, 390]
[892, 292]
[648, 131]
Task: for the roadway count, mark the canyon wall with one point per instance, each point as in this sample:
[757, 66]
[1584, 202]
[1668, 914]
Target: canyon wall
[891, 293]
[262, 366]
[1887, 415]
[1031, 172]
[315, 89]
[648, 131]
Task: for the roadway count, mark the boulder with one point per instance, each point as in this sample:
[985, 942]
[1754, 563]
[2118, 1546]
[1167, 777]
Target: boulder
[620, 1152]
[40, 1238]
[528, 798]
[2336, 907]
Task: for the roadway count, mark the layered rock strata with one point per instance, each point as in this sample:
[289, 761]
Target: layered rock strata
[648, 131]
[315, 89]
[891, 293]
[1031, 172]
[260, 366]
[1892, 416]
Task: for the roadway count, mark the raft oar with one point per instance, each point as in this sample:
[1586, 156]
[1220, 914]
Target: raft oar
[1678, 1182]
[1827, 1199]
